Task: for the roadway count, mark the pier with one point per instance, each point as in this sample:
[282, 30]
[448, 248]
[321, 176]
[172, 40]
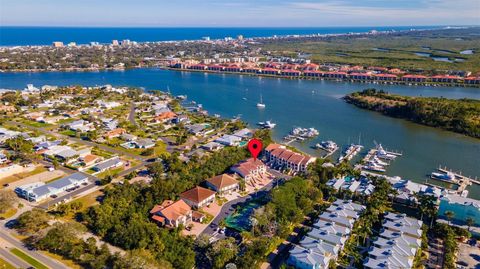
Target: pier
[462, 181]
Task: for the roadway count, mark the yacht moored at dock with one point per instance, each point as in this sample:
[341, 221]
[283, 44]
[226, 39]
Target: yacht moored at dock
[351, 151]
[267, 124]
[328, 146]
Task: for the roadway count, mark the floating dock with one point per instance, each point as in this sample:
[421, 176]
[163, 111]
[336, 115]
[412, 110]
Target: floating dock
[462, 181]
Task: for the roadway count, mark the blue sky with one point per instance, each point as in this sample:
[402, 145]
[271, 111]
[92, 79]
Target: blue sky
[239, 13]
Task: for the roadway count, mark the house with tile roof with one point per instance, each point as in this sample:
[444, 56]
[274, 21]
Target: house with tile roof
[279, 157]
[172, 214]
[250, 169]
[198, 197]
[223, 184]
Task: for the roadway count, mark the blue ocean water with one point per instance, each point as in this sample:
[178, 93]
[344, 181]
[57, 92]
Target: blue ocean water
[17, 36]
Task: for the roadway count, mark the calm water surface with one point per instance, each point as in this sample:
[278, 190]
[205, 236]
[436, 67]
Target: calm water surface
[302, 103]
[22, 36]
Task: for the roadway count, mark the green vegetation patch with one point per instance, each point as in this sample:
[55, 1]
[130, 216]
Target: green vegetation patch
[5, 265]
[28, 259]
[461, 116]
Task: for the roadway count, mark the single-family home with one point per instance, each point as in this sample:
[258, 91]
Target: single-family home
[223, 184]
[90, 159]
[198, 197]
[165, 116]
[172, 214]
[108, 164]
[229, 140]
[114, 133]
[144, 143]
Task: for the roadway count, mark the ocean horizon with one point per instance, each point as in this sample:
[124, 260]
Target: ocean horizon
[41, 35]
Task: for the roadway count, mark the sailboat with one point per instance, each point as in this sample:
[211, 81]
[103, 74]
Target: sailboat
[261, 104]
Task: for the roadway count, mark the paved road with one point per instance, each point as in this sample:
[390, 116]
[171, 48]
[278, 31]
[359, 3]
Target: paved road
[228, 207]
[12, 259]
[34, 254]
[131, 115]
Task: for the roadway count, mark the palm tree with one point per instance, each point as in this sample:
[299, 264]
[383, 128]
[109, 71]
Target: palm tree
[449, 214]
[470, 221]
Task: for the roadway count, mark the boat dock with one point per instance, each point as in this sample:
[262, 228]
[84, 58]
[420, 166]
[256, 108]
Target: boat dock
[462, 181]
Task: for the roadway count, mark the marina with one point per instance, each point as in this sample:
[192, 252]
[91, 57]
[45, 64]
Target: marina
[322, 109]
[301, 134]
[377, 159]
[351, 151]
[463, 182]
[329, 147]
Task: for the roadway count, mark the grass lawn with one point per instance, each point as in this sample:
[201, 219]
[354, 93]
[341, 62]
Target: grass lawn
[9, 213]
[208, 217]
[5, 265]
[28, 259]
[68, 133]
[112, 172]
[36, 124]
[89, 199]
[68, 263]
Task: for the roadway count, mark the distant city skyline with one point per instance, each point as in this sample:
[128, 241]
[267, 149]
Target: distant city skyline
[236, 13]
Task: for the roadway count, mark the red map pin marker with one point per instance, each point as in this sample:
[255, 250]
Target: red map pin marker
[254, 146]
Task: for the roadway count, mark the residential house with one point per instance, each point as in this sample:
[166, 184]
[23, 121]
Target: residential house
[114, 133]
[90, 159]
[198, 197]
[244, 133]
[396, 246]
[172, 214]
[144, 143]
[165, 116]
[223, 184]
[212, 146]
[279, 157]
[80, 126]
[229, 140]
[108, 164]
[302, 258]
[250, 169]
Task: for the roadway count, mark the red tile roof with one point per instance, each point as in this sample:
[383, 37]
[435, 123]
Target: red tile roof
[197, 194]
[222, 181]
[170, 210]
